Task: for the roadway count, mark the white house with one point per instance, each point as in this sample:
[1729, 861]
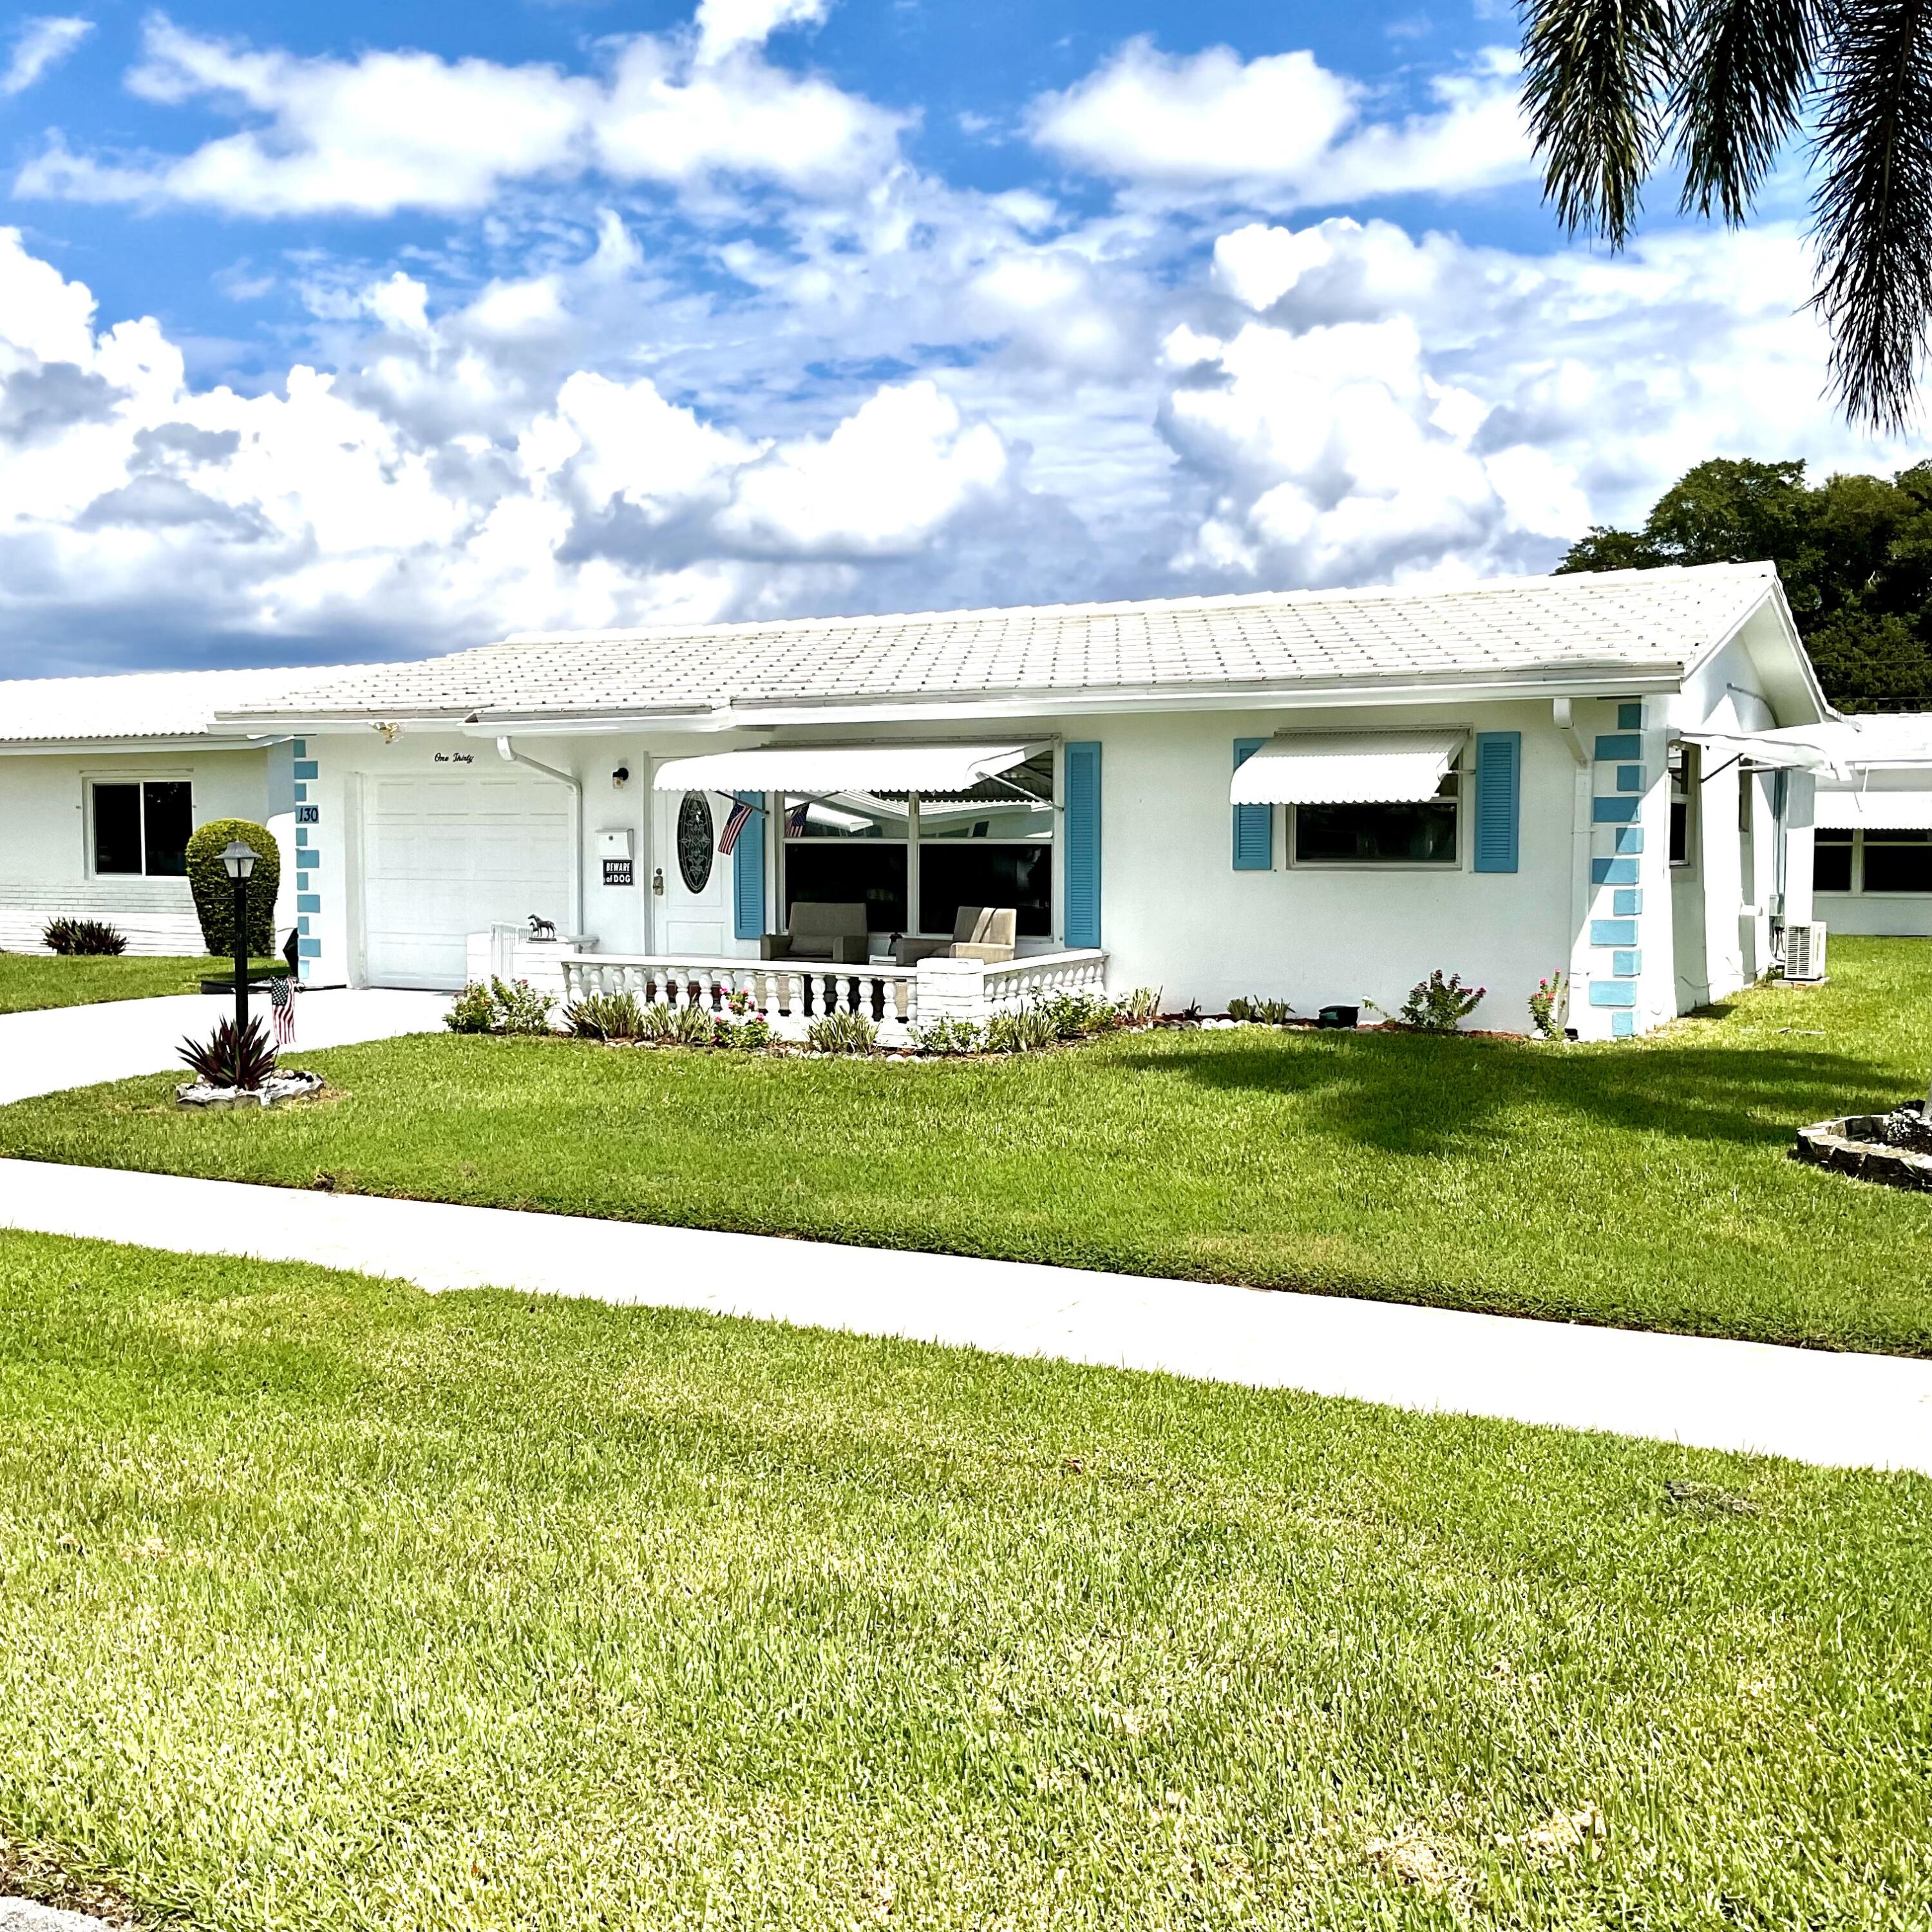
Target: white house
[1318, 796]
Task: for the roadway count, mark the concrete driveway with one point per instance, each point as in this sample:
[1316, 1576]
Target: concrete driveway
[77, 1046]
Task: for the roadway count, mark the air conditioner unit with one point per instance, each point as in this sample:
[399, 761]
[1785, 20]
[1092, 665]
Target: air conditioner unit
[1804, 952]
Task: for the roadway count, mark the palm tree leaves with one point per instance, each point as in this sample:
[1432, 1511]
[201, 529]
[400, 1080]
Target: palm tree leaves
[1608, 84]
[1874, 204]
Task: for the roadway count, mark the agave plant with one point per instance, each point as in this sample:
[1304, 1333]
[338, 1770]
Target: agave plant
[228, 1059]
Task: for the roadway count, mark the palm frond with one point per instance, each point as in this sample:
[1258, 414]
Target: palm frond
[1596, 86]
[1873, 205]
[1743, 69]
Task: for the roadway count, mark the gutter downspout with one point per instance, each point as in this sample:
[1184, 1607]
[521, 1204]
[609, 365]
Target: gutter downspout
[510, 755]
[1561, 716]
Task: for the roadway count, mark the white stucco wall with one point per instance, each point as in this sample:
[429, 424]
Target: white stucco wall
[45, 861]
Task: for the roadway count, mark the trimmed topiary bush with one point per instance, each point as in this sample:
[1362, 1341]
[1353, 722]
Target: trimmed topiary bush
[215, 891]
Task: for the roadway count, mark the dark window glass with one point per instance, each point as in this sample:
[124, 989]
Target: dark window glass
[1683, 763]
[117, 828]
[844, 870]
[1371, 834]
[1900, 861]
[167, 813]
[971, 871]
[1832, 862]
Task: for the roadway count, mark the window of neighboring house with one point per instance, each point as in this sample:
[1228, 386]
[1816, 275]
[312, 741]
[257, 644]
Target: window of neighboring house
[991, 846]
[1423, 834]
[142, 830]
[1898, 862]
[1831, 861]
[1682, 759]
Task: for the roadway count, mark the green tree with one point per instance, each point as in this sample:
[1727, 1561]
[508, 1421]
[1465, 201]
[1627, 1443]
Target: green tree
[1616, 88]
[1854, 552]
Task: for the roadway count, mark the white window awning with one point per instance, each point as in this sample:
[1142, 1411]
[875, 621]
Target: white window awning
[1873, 812]
[1347, 768]
[822, 770]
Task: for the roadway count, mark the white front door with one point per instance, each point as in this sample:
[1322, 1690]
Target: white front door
[692, 915]
[450, 854]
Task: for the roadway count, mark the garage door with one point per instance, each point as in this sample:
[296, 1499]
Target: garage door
[454, 853]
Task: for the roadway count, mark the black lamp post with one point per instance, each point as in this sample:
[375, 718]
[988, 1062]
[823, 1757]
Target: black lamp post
[237, 861]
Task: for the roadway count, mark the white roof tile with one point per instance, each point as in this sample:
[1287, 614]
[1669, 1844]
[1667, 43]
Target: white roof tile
[1655, 622]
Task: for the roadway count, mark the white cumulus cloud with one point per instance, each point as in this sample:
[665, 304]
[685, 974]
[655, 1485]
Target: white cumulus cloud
[40, 44]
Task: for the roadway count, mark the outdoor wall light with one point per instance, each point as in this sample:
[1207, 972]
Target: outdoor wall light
[620, 777]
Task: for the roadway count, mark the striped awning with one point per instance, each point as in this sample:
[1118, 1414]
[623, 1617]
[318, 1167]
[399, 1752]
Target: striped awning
[1347, 767]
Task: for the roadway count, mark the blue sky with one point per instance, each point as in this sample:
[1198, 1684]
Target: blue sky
[362, 331]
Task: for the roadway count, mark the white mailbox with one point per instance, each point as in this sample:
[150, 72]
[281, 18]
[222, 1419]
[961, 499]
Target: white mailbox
[614, 844]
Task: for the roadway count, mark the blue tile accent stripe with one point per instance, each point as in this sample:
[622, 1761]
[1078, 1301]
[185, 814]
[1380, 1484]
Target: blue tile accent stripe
[1615, 750]
[1630, 716]
[1627, 965]
[308, 901]
[1628, 902]
[1613, 811]
[1613, 872]
[1630, 777]
[1629, 839]
[1612, 993]
[1613, 932]
[1623, 1026]
[306, 768]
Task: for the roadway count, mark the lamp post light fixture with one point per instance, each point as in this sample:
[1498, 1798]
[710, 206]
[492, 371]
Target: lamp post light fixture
[237, 861]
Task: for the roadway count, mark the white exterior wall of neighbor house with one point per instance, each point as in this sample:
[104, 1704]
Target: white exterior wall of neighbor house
[1881, 915]
[46, 859]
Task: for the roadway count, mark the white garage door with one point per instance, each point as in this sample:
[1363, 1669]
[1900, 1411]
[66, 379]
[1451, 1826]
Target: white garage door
[454, 853]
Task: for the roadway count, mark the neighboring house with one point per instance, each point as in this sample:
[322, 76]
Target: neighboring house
[102, 778]
[1314, 796]
[1874, 860]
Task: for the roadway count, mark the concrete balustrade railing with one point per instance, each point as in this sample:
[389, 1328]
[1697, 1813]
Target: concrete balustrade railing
[791, 993]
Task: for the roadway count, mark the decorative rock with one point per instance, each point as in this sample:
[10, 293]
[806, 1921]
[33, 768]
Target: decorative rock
[1894, 1149]
[289, 1083]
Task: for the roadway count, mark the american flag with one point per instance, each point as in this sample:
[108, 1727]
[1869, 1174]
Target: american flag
[795, 820]
[741, 816]
[282, 998]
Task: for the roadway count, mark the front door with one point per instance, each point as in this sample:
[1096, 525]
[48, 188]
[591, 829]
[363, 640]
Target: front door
[691, 913]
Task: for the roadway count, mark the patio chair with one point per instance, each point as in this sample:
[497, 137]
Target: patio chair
[834, 932]
[979, 932]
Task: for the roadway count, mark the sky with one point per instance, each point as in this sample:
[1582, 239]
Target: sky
[337, 334]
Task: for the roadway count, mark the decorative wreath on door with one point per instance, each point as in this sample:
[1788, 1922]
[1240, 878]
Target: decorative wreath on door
[694, 841]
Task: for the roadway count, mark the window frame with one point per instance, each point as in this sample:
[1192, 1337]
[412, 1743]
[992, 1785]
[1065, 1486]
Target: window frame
[775, 804]
[1431, 868]
[1860, 837]
[90, 850]
[1691, 765]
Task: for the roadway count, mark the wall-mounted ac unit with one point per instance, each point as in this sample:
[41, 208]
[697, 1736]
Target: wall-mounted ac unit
[1804, 952]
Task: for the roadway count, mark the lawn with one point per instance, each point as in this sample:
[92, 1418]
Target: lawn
[30, 982]
[324, 1603]
[1643, 1184]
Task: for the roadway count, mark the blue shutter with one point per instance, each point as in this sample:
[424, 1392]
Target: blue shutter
[748, 873]
[1080, 923]
[1499, 787]
[1254, 824]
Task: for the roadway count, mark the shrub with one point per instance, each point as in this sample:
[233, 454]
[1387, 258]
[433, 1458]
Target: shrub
[1549, 1005]
[842, 1032]
[73, 938]
[1076, 1015]
[519, 1007]
[1260, 1012]
[1023, 1030]
[749, 1034]
[227, 1059]
[215, 891]
[1437, 1005]
[606, 1016]
[693, 1026]
[472, 1011]
[948, 1035]
[655, 1022]
[1142, 1006]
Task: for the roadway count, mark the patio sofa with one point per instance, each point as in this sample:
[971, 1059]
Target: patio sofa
[989, 933]
[835, 933]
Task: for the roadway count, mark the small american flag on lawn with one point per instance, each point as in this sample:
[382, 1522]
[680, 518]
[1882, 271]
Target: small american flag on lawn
[741, 816]
[282, 998]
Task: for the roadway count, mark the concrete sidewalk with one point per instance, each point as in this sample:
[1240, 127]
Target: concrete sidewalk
[41, 1052]
[1862, 1410]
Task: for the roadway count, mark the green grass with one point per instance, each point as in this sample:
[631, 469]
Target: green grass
[324, 1604]
[31, 982]
[1643, 1185]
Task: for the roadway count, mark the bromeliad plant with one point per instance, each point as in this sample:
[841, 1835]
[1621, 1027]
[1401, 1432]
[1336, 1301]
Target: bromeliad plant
[228, 1059]
[82, 938]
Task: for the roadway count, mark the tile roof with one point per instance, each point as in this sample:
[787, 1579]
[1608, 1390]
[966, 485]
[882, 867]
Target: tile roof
[141, 704]
[1629, 622]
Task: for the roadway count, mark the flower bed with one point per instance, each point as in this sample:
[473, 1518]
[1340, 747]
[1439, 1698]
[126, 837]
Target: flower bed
[1894, 1149]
